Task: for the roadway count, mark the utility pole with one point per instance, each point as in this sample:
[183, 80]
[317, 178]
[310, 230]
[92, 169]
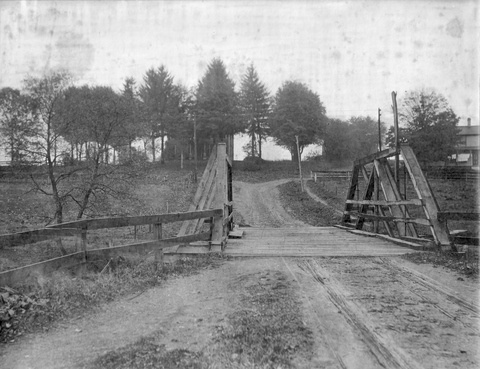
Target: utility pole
[299, 165]
[195, 148]
[376, 180]
[379, 131]
[397, 141]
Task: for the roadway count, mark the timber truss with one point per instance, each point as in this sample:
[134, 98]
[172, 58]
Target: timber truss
[378, 198]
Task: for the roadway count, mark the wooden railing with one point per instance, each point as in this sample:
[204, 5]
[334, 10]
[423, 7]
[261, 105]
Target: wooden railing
[214, 190]
[382, 194]
[322, 174]
[80, 229]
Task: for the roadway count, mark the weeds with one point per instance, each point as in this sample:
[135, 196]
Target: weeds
[63, 295]
[304, 208]
[463, 263]
[145, 353]
[268, 330]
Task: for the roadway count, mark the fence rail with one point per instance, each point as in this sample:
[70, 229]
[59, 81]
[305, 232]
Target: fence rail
[323, 174]
[80, 229]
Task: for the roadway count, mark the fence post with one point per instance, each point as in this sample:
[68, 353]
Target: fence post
[83, 244]
[220, 195]
[157, 235]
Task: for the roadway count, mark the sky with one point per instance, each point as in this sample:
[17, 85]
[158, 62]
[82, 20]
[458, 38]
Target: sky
[353, 54]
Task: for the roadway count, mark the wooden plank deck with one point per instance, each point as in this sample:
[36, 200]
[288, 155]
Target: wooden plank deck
[309, 241]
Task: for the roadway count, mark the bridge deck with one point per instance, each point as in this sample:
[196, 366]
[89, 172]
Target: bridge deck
[311, 241]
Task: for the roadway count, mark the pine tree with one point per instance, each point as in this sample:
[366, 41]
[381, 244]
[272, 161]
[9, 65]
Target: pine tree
[255, 105]
[156, 96]
[217, 104]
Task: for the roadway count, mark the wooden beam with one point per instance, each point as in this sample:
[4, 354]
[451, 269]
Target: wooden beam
[209, 171]
[390, 192]
[351, 192]
[37, 235]
[367, 195]
[24, 274]
[420, 221]
[149, 245]
[410, 227]
[378, 155]
[416, 202]
[220, 193]
[100, 223]
[454, 215]
[424, 192]
[191, 226]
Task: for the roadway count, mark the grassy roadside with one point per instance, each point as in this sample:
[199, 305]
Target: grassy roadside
[265, 331]
[301, 206]
[63, 295]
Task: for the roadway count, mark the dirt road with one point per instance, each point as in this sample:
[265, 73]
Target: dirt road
[259, 205]
[362, 312]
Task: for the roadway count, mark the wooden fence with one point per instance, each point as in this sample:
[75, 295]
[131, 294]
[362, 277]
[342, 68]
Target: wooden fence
[80, 229]
[323, 174]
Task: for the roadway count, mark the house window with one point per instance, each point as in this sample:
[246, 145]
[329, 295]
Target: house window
[475, 158]
[462, 141]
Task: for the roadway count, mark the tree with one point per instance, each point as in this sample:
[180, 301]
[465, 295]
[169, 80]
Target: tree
[217, 109]
[16, 126]
[430, 125]
[46, 94]
[134, 126]
[156, 96]
[181, 131]
[337, 145]
[364, 136]
[297, 111]
[255, 105]
[102, 114]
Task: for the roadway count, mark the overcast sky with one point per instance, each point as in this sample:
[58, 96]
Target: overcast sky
[352, 53]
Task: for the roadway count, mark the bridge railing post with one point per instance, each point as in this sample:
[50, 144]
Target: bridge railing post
[220, 196]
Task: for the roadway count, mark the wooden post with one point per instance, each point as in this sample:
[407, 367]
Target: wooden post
[397, 141]
[83, 244]
[157, 235]
[299, 164]
[377, 187]
[195, 149]
[220, 194]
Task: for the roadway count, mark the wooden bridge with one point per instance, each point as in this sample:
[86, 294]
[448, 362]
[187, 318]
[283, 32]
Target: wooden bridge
[208, 225]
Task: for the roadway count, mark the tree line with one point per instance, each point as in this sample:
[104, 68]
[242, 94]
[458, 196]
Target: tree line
[53, 121]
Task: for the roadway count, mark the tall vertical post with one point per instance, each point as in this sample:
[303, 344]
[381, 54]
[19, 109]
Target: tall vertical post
[376, 179]
[397, 141]
[83, 244]
[195, 148]
[379, 131]
[157, 235]
[299, 164]
[220, 195]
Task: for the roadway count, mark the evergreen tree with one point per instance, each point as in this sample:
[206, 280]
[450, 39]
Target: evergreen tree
[255, 105]
[156, 95]
[217, 104]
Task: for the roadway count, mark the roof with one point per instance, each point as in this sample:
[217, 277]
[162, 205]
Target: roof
[469, 130]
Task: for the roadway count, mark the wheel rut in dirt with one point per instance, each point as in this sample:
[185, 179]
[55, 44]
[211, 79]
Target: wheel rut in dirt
[404, 321]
